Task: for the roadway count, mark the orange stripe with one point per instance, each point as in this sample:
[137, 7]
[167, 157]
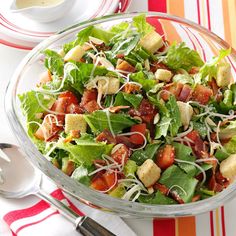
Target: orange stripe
[186, 226]
[232, 23]
[175, 7]
[203, 14]
[217, 221]
[170, 31]
[226, 21]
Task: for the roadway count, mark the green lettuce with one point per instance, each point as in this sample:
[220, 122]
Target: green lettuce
[80, 174]
[54, 62]
[174, 112]
[180, 56]
[140, 156]
[210, 67]
[162, 127]
[174, 178]
[85, 151]
[156, 198]
[142, 26]
[142, 79]
[126, 99]
[99, 120]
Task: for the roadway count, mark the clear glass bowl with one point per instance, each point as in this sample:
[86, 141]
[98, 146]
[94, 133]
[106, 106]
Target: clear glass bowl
[26, 77]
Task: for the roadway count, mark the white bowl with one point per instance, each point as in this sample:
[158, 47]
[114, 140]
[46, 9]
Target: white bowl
[44, 13]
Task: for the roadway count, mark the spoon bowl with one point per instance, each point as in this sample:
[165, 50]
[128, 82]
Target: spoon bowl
[21, 179]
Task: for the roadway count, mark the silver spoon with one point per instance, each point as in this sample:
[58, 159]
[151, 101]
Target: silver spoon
[20, 179]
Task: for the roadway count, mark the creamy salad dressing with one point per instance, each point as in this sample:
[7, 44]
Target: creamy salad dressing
[41, 3]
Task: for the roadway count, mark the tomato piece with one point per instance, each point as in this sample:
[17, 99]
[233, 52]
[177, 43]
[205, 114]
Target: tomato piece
[165, 157]
[137, 138]
[109, 178]
[49, 129]
[202, 94]
[70, 97]
[99, 184]
[121, 154]
[91, 106]
[88, 95]
[185, 93]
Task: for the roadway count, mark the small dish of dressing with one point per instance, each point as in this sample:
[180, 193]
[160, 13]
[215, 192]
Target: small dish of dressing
[42, 10]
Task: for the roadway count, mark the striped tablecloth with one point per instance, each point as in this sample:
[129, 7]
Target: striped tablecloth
[218, 16]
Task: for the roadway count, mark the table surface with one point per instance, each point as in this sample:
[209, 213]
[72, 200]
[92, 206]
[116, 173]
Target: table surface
[11, 57]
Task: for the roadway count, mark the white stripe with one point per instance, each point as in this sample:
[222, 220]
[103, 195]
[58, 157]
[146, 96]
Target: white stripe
[21, 222]
[138, 5]
[203, 224]
[216, 15]
[190, 10]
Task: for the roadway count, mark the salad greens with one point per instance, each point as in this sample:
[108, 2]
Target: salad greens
[127, 113]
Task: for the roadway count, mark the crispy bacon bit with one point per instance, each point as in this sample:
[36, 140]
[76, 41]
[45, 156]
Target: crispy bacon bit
[120, 55]
[106, 136]
[197, 144]
[176, 197]
[196, 198]
[91, 106]
[217, 182]
[117, 108]
[173, 88]
[162, 188]
[194, 70]
[125, 66]
[158, 65]
[125, 140]
[130, 88]
[121, 155]
[146, 111]
[185, 93]
[213, 86]
[202, 94]
[88, 95]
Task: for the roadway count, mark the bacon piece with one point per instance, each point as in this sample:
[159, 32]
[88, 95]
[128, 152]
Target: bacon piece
[117, 108]
[130, 88]
[91, 106]
[202, 94]
[185, 93]
[106, 136]
[125, 66]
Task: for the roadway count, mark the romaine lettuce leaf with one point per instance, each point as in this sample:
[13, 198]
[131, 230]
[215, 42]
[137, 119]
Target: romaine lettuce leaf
[174, 112]
[140, 156]
[130, 168]
[230, 147]
[142, 79]
[201, 128]
[80, 174]
[173, 177]
[209, 68]
[128, 99]
[54, 62]
[180, 56]
[85, 151]
[162, 127]
[99, 120]
[141, 24]
[156, 198]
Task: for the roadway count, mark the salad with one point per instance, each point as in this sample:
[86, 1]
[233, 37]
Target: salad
[129, 114]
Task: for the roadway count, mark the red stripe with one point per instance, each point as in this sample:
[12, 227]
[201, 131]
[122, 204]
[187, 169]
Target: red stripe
[36, 222]
[13, 45]
[212, 223]
[155, 22]
[164, 227]
[198, 12]
[223, 221]
[194, 46]
[12, 216]
[160, 5]
[203, 51]
[208, 15]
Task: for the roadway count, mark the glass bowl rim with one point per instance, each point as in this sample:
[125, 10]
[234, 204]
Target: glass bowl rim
[87, 195]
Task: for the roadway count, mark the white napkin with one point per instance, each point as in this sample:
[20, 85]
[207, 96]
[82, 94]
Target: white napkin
[31, 216]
